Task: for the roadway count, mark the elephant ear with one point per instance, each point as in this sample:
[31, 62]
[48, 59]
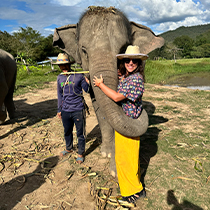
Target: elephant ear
[65, 38]
[145, 38]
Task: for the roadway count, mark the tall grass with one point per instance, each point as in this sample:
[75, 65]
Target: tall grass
[158, 72]
[37, 77]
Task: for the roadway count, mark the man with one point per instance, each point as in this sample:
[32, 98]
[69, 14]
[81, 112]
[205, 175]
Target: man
[70, 105]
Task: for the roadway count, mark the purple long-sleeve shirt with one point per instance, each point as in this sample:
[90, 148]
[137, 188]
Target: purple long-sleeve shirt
[69, 90]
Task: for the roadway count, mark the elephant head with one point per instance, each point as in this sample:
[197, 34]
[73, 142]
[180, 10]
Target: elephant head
[94, 42]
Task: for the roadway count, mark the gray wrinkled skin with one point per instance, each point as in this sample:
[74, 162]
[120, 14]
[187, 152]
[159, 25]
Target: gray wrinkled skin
[8, 71]
[94, 43]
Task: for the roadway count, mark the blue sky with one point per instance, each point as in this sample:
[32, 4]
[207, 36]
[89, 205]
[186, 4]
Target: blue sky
[45, 15]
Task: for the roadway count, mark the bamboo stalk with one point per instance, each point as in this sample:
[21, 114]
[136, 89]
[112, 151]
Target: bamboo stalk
[105, 201]
[75, 72]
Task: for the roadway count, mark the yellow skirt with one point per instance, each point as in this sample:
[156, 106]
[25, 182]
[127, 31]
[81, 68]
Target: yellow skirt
[128, 164]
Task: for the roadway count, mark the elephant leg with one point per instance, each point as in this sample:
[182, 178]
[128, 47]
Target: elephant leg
[108, 143]
[112, 166]
[9, 103]
[107, 132]
[3, 94]
[3, 114]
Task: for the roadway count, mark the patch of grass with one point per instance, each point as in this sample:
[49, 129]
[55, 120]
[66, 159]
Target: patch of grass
[182, 157]
[37, 78]
[159, 72]
[162, 90]
[159, 99]
[167, 108]
[176, 111]
[177, 99]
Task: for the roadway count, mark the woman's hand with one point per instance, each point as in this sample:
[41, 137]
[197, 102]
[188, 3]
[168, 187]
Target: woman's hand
[97, 81]
[115, 96]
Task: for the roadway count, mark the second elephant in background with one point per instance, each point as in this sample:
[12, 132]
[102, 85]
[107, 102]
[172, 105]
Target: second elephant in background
[8, 72]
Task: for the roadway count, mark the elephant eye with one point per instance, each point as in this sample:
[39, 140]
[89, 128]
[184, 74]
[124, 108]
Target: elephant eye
[85, 52]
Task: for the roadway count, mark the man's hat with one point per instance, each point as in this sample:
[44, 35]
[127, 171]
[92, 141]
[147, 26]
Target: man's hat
[63, 59]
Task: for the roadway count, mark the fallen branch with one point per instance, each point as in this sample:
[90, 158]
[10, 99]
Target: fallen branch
[65, 202]
[32, 160]
[207, 179]
[107, 196]
[86, 175]
[154, 180]
[3, 166]
[185, 178]
[112, 200]
[60, 192]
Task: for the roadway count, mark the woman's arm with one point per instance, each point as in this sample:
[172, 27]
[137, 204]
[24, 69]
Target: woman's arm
[115, 96]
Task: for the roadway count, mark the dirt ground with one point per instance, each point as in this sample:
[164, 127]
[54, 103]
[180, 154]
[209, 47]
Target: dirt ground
[37, 136]
[32, 175]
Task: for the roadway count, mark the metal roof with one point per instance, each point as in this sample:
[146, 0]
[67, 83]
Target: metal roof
[48, 61]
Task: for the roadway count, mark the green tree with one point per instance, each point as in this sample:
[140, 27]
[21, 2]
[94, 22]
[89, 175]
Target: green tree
[203, 38]
[160, 53]
[8, 43]
[197, 52]
[206, 49]
[186, 44]
[46, 48]
[30, 40]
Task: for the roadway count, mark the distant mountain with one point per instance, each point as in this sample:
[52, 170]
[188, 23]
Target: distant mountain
[191, 31]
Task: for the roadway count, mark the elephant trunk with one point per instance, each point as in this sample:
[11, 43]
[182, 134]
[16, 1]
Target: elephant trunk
[113, 111]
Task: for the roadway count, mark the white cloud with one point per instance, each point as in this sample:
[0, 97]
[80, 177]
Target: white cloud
[156, 11]
[159, 15]
[163, 15]
[205, 3]
[66, 2]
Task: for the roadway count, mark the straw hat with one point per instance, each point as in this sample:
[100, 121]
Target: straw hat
[132, 52]
[63, 59]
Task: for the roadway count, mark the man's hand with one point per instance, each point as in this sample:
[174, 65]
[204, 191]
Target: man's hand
[87, 80]
[59, 115]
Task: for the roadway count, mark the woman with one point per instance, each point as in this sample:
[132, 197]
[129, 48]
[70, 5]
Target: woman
[70, 105]
[129, 93]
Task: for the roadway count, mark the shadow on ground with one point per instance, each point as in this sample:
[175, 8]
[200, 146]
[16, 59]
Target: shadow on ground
[13, 191]
[32, 113]
[172, 200]
[149, 148]
[94, 134]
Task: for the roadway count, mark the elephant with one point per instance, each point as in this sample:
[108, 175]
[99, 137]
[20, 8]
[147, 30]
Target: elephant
[94, 42]
[8, 73]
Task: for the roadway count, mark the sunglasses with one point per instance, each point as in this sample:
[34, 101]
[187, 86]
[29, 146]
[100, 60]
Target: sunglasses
[127, 60]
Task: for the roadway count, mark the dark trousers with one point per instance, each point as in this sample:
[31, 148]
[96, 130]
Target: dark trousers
[69, 119]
